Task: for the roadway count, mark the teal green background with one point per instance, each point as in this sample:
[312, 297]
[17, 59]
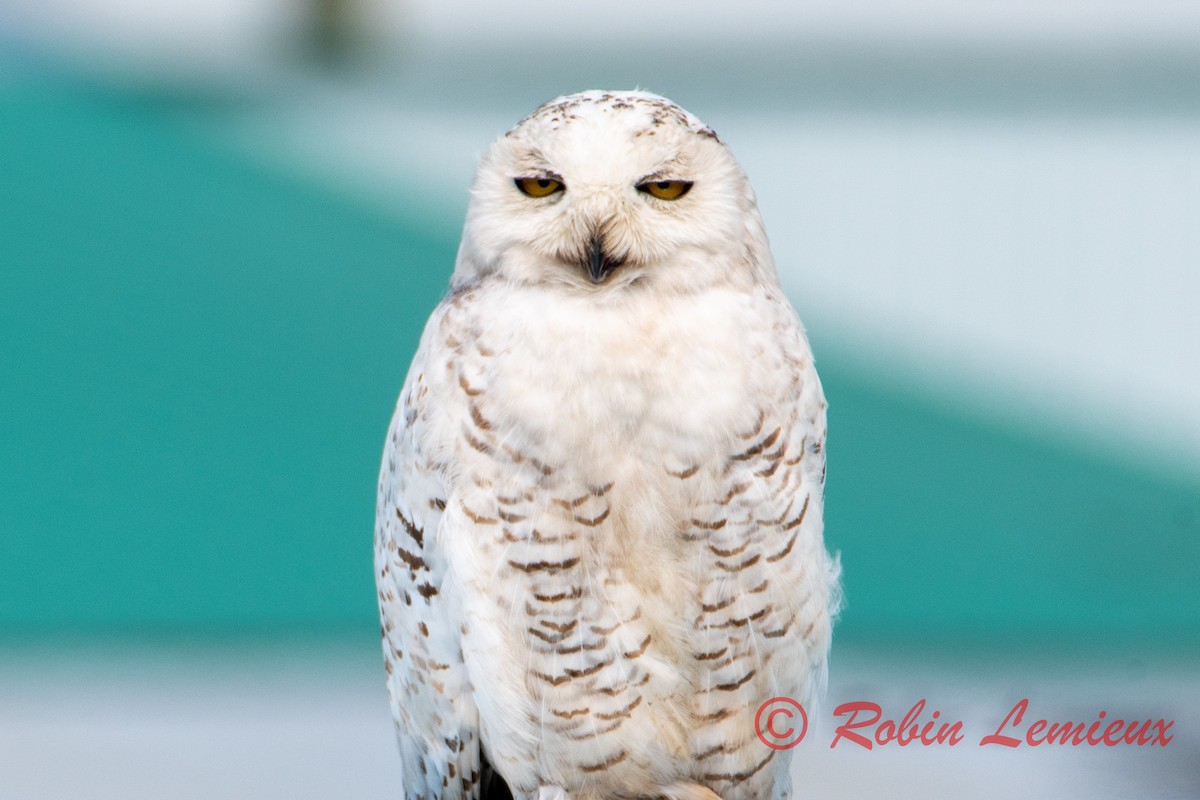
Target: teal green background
[200, 358]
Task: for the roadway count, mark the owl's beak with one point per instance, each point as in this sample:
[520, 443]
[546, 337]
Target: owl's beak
[599, 262]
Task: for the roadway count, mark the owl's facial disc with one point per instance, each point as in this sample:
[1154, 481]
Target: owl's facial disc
[605, 191]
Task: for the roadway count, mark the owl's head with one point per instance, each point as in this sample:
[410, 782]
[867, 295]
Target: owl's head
[599, 191]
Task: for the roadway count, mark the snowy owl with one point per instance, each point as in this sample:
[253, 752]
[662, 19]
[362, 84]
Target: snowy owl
[599, 524]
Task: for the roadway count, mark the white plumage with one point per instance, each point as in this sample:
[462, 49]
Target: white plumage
[598, 536]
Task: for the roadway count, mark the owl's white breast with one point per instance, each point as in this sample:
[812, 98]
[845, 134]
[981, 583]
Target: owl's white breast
[611, 379]
[584, 436]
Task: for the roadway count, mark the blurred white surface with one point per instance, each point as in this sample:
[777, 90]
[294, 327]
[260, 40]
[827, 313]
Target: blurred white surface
[294, 725]
[163, 24]
[194, 723]
[981, 20]
[212, 39]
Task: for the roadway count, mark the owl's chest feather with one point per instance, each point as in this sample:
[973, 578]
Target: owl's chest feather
[671, 378]
[614, 473]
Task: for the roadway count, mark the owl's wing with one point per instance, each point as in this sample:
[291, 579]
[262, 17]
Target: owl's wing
[767, 587]
[436, 718]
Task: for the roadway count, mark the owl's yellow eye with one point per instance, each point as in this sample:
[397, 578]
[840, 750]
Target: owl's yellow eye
[665, 190]
[539, 187]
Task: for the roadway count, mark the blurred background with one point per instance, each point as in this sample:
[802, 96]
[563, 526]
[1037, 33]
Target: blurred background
[223, 225]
